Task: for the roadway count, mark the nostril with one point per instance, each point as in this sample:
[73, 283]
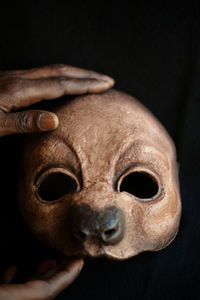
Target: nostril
[109, 233]
[112, 235]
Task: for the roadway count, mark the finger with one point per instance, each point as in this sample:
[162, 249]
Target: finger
[50, 288]
[23, 93]
[39, 289]
[64, 278]
[60, 70]
[48, 268]
[27, 122]
[8, 275]
[45, 270]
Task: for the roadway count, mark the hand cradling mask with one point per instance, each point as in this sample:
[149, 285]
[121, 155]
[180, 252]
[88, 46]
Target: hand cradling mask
[104, 183]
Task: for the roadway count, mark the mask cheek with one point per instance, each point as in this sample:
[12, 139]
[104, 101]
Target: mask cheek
[162, 219]
[135, 239]
[45, 221]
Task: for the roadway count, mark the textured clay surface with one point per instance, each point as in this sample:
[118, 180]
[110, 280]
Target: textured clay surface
[121, 195]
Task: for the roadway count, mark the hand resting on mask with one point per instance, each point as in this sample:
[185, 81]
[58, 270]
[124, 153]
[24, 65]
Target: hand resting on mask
[22, 88]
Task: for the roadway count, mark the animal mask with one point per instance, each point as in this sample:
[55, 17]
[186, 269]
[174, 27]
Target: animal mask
[104, 183]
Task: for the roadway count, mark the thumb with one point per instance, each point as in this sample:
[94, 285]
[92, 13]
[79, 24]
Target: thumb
[27, 121]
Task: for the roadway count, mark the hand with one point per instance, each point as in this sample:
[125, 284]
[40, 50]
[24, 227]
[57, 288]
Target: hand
[25, 87]
[48, 281]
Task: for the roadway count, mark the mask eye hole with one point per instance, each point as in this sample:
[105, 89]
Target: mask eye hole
[55, 185]
[140, 184]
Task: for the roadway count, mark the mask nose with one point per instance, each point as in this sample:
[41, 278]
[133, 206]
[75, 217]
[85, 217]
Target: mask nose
[107, 226]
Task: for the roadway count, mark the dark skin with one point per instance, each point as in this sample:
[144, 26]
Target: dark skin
[19, 89]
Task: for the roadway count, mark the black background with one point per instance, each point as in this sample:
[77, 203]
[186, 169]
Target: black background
[152, 50]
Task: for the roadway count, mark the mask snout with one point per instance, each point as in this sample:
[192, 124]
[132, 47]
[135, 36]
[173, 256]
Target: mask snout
[106, 226]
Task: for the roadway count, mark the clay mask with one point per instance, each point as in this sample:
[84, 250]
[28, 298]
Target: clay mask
[104, 183]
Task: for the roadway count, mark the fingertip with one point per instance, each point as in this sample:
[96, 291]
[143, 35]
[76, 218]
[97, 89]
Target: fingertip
[47, 121]
[72, 264]
[79, 263]
[70, 271]
[99, 86]
[109, 79]
[112, 82]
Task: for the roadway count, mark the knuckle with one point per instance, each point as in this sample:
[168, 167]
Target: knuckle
[12, 85]
[3, 120]
[60, 66]
[60, 83]
[63, 69]
[65, 85]
[22, 122]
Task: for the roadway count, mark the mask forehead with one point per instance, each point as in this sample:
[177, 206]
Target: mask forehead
[99, 128]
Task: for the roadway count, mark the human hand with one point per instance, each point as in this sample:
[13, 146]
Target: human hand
[48, 281]
[23, 88]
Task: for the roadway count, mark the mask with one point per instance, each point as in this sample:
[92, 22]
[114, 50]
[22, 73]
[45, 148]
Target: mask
[104, 183]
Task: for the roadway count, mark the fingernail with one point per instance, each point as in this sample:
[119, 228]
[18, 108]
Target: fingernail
[109, 79]
[47, 121]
